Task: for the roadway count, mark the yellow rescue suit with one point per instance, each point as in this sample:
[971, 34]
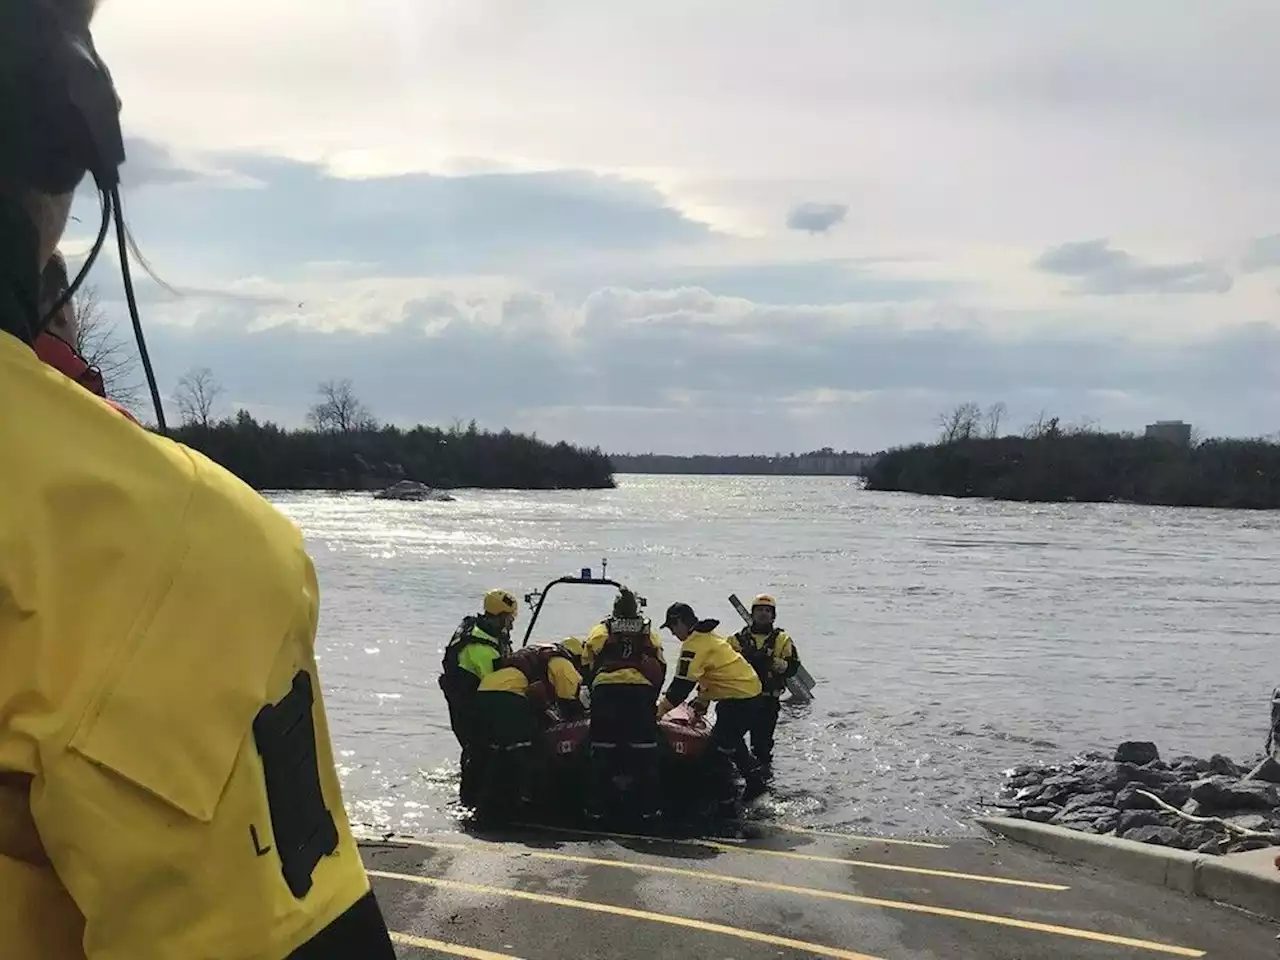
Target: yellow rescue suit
[167, 786]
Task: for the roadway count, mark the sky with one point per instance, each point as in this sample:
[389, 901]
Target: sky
[724, 227]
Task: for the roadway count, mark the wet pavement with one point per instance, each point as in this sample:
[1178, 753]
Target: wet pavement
[544, 894]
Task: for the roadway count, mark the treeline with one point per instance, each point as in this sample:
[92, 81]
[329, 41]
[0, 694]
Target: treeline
[346, 449]
[818, 462]
[1050, 463]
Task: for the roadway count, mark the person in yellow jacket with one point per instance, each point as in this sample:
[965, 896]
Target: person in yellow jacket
[623, 657]
[513, 705]
[469, 656]
[167, 783]
[771, 651]
[720, 673]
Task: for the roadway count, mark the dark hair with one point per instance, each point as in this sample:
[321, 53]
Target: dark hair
[625, 606]
[53, 281]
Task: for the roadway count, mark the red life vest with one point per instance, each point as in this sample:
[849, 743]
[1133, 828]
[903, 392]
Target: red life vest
[64, 358]
[533, 663]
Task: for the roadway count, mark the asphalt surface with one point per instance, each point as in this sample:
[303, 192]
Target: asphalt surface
[552, 895]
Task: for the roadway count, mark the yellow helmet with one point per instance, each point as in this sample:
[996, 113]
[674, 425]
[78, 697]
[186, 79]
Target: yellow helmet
[498, 602]
[764, 600]
[573, 645]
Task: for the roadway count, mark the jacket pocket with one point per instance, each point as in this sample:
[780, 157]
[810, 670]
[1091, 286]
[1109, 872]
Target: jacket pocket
[174, 716]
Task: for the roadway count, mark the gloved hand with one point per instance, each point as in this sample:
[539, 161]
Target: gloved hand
[700, 707]
[664, 707]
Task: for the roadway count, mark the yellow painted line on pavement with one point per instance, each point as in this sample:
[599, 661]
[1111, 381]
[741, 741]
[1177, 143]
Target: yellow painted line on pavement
[837, 835]
[816, 858]
[814, 949]
[453, 949]
[818, 892]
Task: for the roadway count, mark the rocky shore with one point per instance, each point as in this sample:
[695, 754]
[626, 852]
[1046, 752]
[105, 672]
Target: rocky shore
[1210, 806]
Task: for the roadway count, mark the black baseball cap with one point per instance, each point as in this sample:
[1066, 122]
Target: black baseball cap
[678, 612]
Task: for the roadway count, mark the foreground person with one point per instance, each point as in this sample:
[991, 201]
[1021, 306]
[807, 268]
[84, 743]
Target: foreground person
[471, 655]
[513, 705]
[624, 659]
[772, 654]
[167, 784]
[723, 675]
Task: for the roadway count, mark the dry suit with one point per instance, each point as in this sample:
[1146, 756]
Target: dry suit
[167, 784]
[774, 658]
[511, 710]
[626, 665]
[469, 657]
[723, 675]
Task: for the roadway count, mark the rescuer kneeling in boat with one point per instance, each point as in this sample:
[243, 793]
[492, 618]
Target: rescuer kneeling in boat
[771, 652]
[528, 688]
[167, 781]
[723, 675]
[469, 657]
[623, 656]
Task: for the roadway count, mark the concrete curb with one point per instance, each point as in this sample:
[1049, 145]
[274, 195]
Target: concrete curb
[1246, 880]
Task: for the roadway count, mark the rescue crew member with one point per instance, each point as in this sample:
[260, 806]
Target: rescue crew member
[723, 675]
[771, 651]
[623, 656]
[167, 781]
[468, 658]
[527, 688]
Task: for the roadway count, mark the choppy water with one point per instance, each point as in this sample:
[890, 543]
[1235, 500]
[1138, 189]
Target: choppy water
[950, 638]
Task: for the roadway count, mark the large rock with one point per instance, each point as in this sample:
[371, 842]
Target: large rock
[1102, 798]
[1130, 819]
[1088, 819]
[1192, 836]
[1165, 836]
[1223, 793]
[1138, 752]
[1039, 814]
[1259, 822]
[1268, 770]
[1058, 788]
[1128, 798]
[1224, 766]
[1175, 794]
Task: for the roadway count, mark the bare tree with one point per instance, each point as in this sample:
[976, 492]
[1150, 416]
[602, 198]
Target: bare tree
[339, 410]
[1041, 427]
[196, 394]
[962, 423]
[99, 341]
[994, 416]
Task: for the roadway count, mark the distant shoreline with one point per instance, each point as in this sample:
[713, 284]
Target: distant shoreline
[1088, 467]
[818, 463]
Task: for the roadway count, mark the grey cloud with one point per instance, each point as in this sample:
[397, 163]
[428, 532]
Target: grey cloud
[284, 214]
[816, 217]
[1263, 254]
[148, 163]
[680, 370]
[1099, 269]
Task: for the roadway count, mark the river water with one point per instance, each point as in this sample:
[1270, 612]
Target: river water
[950, 639]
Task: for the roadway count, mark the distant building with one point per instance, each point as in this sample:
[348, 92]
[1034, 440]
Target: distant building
[1174, 431]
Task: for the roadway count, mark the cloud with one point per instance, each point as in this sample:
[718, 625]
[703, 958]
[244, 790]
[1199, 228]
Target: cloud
[285, 213]
[1263, 254]
[816, 217]
[683, 370]
[1101, 270]
[432, 199]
